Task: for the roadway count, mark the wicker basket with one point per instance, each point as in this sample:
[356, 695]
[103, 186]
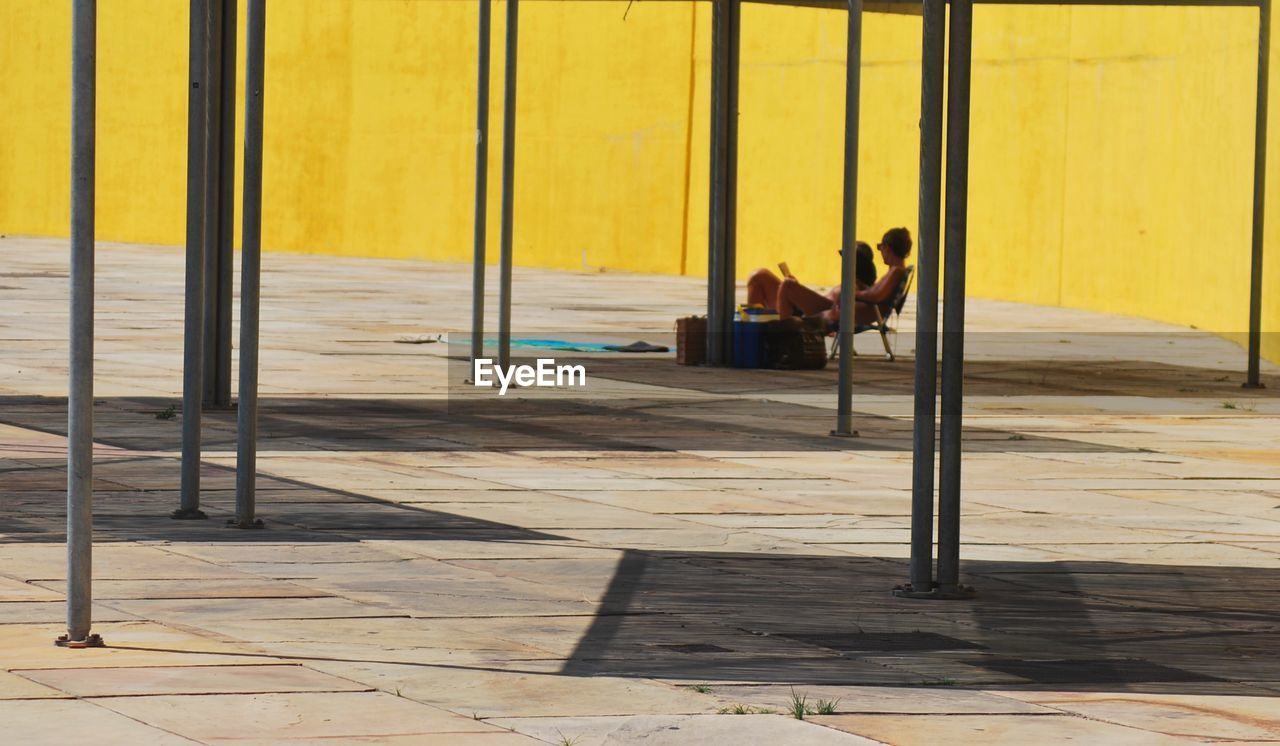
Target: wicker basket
[691, 340]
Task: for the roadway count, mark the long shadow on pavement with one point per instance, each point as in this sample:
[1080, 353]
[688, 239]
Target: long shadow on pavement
[1088, 626]
[651, 424]
[133, 497]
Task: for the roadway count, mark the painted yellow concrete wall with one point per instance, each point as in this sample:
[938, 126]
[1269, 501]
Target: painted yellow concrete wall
[1111, 148]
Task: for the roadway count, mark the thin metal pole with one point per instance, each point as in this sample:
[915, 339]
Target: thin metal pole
[193, 342]
[1253, 379]
[212, 199]
[719, 187]
[508, 182]
[926, 371]
[848, 241]
[482, 183]
[729, 258]
[958, 79]
[84, 36]
[225, 253]
[250, 268]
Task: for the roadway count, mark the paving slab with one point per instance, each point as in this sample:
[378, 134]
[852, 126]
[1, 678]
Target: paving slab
[354, 473]
[1197, 716]
[469, 599]
[383, 637]
[618, 636]
[693, 539]
[744, 730]
[567, 479]
[1169, 553]
[425, 497]
[38, 612]
[704, 502]
[268, 717]
[552, 515]
[151, 680]
[139, 643]
[313, 553]
[363, 517]
[1253, 503]
[247, 587]
[13, 686]
[446, 549]
[77, 721]
[111, 561]
[16, 590]
[676, 467]
[205, 610]
[972, 551]
[522, 690]
[997, 730]
[883, 699]
[504, 738]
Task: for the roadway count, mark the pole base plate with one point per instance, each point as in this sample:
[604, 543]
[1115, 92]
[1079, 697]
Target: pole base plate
[237, 523]
[959, 593]
[92, 641]
[1258, 385]
[838, 434]
[188, 514]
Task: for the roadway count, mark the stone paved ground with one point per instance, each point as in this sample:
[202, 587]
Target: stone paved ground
[635, 563]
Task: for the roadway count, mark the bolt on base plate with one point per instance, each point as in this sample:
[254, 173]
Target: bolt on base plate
[935, 593]
[188, 514]
[92, 641]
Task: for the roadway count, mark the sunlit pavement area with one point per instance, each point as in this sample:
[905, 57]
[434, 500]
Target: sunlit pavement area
[674, 555]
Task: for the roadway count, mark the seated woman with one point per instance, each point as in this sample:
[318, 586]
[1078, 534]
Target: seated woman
[790, 298]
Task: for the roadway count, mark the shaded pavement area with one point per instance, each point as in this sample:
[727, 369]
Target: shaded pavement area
[674, 555]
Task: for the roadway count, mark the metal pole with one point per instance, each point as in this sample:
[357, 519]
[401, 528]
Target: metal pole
[482, 184]
[193, 342]
[250, 268]
[1253, 379]
[958, 79]
[508, 183]
[926, 371]
[729, 258]
[84, 34]
[849, 239]
[212, 198]
[226, 181]
[720, 32]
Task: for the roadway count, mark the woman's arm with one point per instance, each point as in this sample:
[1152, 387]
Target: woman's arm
[884, 288]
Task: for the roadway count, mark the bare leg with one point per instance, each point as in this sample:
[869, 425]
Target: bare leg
[791, 295]
[762, 288]
[864, 313]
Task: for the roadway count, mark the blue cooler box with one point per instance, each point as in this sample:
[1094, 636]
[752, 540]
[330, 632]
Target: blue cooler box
[748, 336]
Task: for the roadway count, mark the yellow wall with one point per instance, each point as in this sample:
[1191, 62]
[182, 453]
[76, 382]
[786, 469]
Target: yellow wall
[1111, 148]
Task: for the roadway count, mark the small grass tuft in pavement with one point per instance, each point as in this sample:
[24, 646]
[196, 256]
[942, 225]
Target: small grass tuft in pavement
[799, 706]
[825, 707]
[744, 710]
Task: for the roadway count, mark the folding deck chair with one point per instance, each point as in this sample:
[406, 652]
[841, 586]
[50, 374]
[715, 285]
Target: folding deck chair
[881, 323]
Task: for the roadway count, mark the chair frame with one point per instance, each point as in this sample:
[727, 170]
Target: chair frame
[881, 323]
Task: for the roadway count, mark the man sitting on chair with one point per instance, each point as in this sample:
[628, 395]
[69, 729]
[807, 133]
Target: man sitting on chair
[790, 298]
